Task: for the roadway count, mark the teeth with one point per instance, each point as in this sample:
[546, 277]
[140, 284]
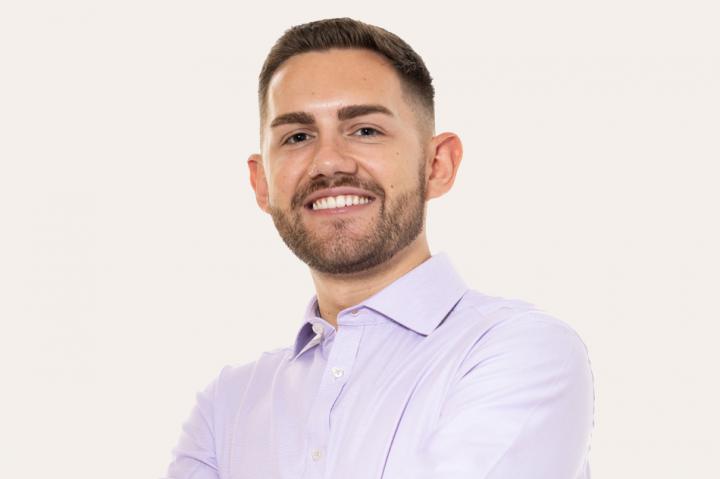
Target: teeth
[339, 201]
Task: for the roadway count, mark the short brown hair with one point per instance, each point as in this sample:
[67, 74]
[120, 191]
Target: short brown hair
[348, 33]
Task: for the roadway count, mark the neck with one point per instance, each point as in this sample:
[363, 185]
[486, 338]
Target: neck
[338, 292]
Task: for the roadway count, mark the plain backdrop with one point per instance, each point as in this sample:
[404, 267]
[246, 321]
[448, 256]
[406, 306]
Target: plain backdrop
[134, 262]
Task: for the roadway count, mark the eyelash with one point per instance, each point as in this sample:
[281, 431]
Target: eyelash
[375, 130]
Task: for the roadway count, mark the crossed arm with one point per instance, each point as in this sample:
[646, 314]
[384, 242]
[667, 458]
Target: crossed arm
[522, 409]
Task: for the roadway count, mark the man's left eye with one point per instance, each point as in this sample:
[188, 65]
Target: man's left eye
[367, 131]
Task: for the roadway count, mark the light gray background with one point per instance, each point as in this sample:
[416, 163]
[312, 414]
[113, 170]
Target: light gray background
[134, 262]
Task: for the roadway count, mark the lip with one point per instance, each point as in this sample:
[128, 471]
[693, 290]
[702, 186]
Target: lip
[340, 190]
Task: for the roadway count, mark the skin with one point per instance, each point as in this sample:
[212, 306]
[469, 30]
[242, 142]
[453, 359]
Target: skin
[388, 157]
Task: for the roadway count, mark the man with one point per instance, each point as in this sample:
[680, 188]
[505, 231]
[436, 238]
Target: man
[398, 370]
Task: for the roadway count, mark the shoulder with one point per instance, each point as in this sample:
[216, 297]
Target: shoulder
[515, 333]
[230, 385]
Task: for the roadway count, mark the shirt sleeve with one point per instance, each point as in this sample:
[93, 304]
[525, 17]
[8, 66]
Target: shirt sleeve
[522, 408]
[194, 455]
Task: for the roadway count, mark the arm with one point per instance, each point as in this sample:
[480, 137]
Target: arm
[522, 407]
[194, 455]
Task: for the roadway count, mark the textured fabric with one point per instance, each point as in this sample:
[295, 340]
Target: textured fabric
[426, 379]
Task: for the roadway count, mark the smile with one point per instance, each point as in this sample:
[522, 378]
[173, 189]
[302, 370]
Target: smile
[340, 201]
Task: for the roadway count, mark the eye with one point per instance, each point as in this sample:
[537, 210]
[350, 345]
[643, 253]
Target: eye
[367, 131]
[296, 138]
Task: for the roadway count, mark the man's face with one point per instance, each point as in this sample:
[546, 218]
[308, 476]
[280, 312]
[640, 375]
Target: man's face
[343, 160]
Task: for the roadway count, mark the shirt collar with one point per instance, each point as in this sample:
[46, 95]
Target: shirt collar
[423, 297]
[418, 300]
[306, 334]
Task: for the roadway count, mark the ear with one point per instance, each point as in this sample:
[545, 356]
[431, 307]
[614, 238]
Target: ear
[258, 181]
[447, 154]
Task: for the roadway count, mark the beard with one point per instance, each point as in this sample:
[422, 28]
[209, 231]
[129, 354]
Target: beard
[397, 224]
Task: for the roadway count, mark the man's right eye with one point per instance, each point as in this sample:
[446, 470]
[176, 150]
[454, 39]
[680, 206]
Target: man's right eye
[296, 138]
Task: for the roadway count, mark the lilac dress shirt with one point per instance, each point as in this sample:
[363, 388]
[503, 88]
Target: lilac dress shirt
[426, 379]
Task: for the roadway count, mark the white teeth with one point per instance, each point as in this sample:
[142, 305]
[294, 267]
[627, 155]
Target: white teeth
[339, 201]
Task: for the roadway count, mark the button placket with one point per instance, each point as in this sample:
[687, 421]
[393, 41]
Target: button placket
[337, 369]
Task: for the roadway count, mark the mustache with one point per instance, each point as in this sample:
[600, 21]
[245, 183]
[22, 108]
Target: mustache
[325, 182]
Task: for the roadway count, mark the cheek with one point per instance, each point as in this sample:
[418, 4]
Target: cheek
[400, 173]
[283, 186]
[290, 165]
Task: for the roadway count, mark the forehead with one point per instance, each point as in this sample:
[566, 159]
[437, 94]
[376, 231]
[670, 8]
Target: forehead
[332, 78]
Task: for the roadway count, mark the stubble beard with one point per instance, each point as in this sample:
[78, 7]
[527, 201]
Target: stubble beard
[398, 223]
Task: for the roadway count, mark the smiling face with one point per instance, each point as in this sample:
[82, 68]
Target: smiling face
[344, 158]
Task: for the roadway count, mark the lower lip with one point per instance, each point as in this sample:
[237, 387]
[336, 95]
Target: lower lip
[339, 211]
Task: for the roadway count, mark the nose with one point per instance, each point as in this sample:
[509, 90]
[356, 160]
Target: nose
[330, 159]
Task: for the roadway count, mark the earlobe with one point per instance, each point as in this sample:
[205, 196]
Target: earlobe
[444, 165]
[258, 181]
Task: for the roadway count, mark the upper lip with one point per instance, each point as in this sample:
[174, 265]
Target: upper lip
[340, 190]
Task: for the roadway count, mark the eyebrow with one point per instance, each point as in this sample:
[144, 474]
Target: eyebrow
[352, 111]
[344, 113]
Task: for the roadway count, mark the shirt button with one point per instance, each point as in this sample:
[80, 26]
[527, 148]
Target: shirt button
[355, 312]
[337, 372]
[316, 454]
[317, 328]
